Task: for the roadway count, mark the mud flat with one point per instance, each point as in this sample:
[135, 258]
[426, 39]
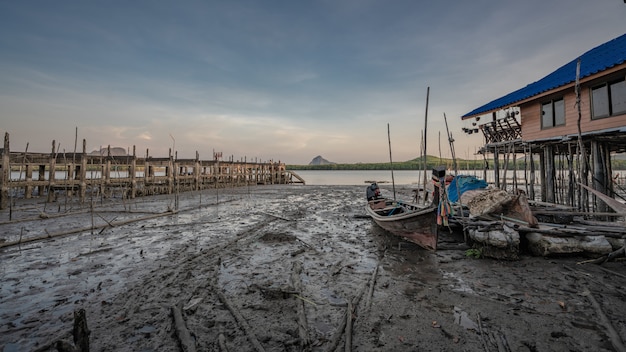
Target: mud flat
[283, 268]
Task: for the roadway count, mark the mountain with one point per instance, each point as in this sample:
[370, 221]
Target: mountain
[318, 160]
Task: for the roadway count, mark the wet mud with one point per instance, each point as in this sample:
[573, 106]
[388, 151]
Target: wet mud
[221, 254]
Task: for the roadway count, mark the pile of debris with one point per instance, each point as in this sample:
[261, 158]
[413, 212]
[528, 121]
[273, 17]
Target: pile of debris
[500, 225]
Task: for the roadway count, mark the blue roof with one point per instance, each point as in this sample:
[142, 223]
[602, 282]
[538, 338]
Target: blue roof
[593, 61]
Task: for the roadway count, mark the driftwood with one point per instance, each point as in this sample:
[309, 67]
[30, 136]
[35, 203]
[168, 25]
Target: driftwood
[348, 347]
[81, 331]
[542, 245]
[606, 258]
[221, 340]
[619, 208]
[242, 322]
[616, 341]
[84, 229]
[339, 332]
[370, 293]
[186, 342]
[613, 272]
[275, 292]
[81, 336]
[275, 216]
[303, 329]
[573, 212]
[482, 333]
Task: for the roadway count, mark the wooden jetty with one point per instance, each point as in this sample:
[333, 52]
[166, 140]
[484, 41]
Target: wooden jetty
[129, 176]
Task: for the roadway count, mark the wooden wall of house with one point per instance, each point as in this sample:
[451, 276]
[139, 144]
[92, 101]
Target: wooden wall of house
[531, 118]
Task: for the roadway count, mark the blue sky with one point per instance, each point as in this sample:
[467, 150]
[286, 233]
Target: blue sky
[282, 80]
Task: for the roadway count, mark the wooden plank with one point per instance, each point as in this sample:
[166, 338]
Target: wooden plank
[611, 202]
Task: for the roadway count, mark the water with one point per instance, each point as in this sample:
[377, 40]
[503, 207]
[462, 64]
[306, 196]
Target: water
[359, 177]
[363, 177]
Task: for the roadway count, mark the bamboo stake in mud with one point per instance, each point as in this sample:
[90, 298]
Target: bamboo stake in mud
[186, 342]
[303, 329]
[5, 175]
[222, 343]
[370, 293]
[339, 332]
[616, 341]
[583, 202]
[242, 322]
[425, 138]
[391, 163]
[348, 347]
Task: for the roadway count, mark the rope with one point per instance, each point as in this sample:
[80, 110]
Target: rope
[444, 208]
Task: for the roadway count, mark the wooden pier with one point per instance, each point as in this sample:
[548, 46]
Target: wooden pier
[128, 176]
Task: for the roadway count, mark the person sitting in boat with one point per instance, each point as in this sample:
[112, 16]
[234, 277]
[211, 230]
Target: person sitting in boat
[373, 192]
[374, 198]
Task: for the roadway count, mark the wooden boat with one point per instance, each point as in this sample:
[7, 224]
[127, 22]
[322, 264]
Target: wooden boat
[415, 223]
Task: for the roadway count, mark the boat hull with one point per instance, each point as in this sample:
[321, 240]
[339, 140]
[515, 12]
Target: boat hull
[415, 224]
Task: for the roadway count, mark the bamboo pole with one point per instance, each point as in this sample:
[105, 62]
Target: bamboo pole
[242, 322]
[425, 192]
[614, 336]
[393, 182]
[303, 329]
[186, 341]
[582, 161]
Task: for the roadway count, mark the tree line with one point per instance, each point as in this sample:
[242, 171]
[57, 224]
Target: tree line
[433, 161]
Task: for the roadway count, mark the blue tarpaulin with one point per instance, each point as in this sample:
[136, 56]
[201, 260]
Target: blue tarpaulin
[464, 183]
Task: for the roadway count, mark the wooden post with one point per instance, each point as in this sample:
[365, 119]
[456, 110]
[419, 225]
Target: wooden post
[133, 176]
[230, 171]
[532, 172]
[496, 166]
[5, 176]
[505, 167]
[28, 190]
[515, 185]
[51, 171]
[41, 177]
[83, 172]
[571, 187]
[196, 172]
[169, 172]
[601, 166]
[542, 174]
[106, 173]
[425, 196]
[548, 152]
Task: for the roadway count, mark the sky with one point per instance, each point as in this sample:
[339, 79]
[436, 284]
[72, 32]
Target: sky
[278, 80]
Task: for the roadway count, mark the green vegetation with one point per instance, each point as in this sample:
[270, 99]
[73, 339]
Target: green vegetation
[433, 161]
[414, 164]
[474, 253]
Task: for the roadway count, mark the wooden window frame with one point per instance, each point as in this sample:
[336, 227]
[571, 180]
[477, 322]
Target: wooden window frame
[552, 107]
[609, 100]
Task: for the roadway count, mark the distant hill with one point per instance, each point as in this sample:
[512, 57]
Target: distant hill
[115, 151]
[319, 163]
[318, 160]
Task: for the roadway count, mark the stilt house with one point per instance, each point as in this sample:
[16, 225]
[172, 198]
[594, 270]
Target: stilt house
[568, 124]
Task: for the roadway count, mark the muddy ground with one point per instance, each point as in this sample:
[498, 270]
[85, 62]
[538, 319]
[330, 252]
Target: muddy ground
[239, 248]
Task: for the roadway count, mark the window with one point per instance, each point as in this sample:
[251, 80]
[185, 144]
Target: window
[553, 113]
[608, 99]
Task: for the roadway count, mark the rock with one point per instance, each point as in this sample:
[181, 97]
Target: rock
[497, 243]
[541, 245]
[501, 238]
[487, 201]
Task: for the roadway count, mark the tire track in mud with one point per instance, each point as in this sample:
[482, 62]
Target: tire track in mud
[193, 279]
[43, 325]
[188, 278]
